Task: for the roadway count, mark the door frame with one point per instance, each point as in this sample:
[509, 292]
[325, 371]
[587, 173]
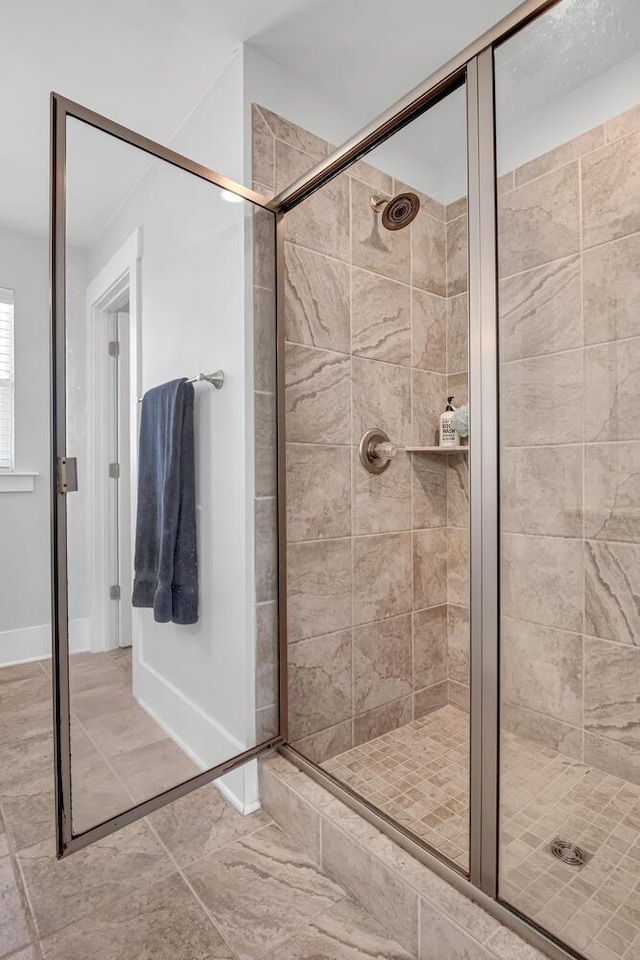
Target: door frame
[118, 280]
[62, 479]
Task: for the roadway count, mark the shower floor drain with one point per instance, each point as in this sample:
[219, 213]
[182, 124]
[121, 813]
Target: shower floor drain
[568, 852]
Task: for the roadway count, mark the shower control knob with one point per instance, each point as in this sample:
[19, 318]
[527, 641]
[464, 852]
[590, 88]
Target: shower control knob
[376, 451]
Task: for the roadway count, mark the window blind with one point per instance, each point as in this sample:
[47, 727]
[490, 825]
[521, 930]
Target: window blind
[6, 380]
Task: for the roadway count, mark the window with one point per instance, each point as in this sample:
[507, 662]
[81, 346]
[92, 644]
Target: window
[6, 379]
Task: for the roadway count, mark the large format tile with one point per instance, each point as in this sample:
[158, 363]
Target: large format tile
[322, 222]
[611, 706]
[261, 888]
[344, 932]
[429, 396]
[440, 939]
[381, 576]
[266, 444]
[381, 398]
[318, 587]
[318, 395]
[163, 921]
[381, 502]
[14, 926]
[542, 669]
[611, 192]
[429, 568]
[457, 334]
[539, 221]
[382, 662]
[320, 683]
[300, 820]
[119, 732]
[457, 491]
[267, 655]
[612, 374]
[63, 891]
[612, 491]
[266, 549]
[429, 480]
[613, 756]
[458, 566]
[201, 822]
[97, 793]
[458, 643]
[457, 256]
[540, 310]
[293, 134]
[379, 890]
[571, 150]
[541, 490]
[316, 301]
[612, 591]
[372, 246]
[264, 336]
[428, 254]
[327, 743]
[429, 331]
[430, 699]
[380, 318]
[542, 400]
[538, 728]
[381, 719]
[263, 149]
[153, 768]
[429, 646]
[542, 580]
[611, 290]
[318, 491]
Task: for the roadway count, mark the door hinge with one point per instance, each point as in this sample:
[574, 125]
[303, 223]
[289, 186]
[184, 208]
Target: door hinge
[114, 348]
[114, 471]
[115, 592]
[67, 475]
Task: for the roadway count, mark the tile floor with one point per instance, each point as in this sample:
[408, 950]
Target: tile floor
[419, 774]
[194, 881]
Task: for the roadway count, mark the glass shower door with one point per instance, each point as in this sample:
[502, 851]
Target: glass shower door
[568, 141]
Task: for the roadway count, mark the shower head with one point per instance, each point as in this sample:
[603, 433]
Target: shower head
[397, 212]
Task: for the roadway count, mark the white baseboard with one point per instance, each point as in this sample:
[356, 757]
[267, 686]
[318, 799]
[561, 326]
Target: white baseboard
[34, 643]
[205, 741]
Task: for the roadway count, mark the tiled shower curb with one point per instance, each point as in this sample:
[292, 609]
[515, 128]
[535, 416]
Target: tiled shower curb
[424, 913]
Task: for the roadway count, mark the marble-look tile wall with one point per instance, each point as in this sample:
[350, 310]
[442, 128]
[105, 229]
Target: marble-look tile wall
[376, 335]
[569, 251]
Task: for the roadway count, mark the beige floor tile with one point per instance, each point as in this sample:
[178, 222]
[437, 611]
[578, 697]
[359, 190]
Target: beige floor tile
[260, 889]
[121, 732]
[14, 928]
[153, 768]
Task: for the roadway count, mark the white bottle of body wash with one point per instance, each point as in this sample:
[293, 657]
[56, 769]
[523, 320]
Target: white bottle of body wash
[449, 437]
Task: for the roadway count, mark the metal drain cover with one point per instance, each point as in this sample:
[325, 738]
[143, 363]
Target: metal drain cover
[569, 852]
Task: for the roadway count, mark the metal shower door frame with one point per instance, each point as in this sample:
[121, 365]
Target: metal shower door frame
[67, 841]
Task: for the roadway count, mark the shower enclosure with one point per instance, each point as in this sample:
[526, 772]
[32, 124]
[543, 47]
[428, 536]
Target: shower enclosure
[458, 626]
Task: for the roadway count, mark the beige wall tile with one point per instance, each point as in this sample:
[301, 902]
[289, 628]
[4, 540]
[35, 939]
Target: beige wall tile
[456, 209]
[547, 731]
[542, 400]
[457, 334]
[540, 310]
[381, 398]
[429, 646]
[458, 643]
[429, 479]
[318, 491]
[541, 490]
[429, 331]
[458, 566]
[458, 695]
[539, 221]
[266, 445]
[458, 388]
[319, 587]
[381, 502]
[428, 254]
[264, 249]
[541, 669]
[294, 814]
[565, 153]
[612, 491]
[429, 568]
[382, 662]
[267, 723]
[611, 706]
[380, 318]
[264, 313]
[624, 123]
[320, 683]
[429, 699]
[457, 256]
[293, 134]
[611, 285]
[318, 395]
[433, 207]
[612, 589]
[457, 468]
[266, 654]
[380, 720]
[263, 150]
[316, 302]
[613, 757]
[542, 580]
[440, 939]
[429, 400]
[381, 576]
[612, 374]
[327, 743]
[266, 549]
[610, 192]
[367, 173]
[505, 183]
[372, 246]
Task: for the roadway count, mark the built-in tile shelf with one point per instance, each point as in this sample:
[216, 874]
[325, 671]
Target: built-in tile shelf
[437, 449]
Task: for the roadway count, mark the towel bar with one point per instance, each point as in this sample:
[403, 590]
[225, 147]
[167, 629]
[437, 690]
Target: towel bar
[216, 379]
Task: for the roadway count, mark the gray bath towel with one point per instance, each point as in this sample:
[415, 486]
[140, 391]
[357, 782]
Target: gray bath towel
[166, 560]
